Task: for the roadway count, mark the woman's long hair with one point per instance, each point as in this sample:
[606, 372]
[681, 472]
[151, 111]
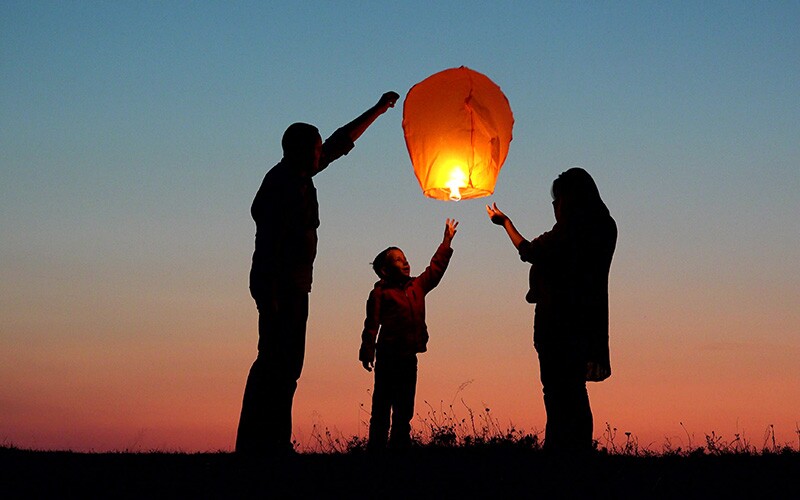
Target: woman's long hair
[579, 197]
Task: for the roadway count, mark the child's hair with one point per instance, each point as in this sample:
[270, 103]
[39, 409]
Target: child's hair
[380, 261]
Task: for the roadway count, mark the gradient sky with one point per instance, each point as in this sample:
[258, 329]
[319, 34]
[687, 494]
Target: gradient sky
[134, 135]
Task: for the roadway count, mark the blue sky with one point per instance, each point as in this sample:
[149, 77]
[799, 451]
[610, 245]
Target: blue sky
[133, 136]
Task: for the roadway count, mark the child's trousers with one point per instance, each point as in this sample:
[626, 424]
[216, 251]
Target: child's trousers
[395, 388]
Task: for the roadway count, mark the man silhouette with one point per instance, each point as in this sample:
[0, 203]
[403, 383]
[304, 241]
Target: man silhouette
[286, 214]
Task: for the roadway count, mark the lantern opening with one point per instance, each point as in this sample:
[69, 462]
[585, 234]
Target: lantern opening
[455, 194]
[456, 182]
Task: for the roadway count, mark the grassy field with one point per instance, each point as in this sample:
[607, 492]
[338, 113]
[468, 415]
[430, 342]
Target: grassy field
[429, 471]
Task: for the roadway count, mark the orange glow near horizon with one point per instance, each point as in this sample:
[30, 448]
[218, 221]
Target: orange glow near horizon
[135, 362]
[185, 395]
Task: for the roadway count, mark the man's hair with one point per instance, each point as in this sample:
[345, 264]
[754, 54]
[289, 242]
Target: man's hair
[299, 137]
[380, 261]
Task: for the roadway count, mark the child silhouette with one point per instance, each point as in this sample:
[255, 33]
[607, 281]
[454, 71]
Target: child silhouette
[394, 332]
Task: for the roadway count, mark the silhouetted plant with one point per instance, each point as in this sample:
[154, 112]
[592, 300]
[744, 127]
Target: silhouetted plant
[797, 431]
[442, 427]
[324, 441]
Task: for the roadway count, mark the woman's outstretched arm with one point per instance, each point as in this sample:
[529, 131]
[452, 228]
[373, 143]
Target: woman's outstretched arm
[501, 219]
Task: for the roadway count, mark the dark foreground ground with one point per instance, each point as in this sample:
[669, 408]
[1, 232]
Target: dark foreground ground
[422, 473]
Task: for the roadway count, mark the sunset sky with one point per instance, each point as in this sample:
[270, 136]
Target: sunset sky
[134, 135]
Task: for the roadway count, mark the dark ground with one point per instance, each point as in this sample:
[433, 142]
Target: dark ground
[420, 473]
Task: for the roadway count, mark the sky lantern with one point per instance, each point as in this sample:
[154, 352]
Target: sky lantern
[457, 124]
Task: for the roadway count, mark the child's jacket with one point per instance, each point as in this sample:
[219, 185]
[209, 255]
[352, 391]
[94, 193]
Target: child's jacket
[398, 310]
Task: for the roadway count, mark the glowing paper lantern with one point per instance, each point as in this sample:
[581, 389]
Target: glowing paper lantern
[457, 124]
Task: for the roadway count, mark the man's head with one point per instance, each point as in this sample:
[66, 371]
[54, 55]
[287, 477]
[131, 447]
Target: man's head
[302, 145]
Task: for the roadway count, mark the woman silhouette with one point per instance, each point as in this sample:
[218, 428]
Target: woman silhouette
[569, 285]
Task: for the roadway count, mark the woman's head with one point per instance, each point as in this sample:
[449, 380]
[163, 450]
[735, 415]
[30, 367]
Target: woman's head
[575, 196]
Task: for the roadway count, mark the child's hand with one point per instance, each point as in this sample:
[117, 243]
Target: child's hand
[450, 227]
[368, 365]
[496, 215]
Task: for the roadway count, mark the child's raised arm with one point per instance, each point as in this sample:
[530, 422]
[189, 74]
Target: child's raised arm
[431, 276]
[450, 228]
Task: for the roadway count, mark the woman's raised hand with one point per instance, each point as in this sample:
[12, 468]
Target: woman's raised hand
[496, 215]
